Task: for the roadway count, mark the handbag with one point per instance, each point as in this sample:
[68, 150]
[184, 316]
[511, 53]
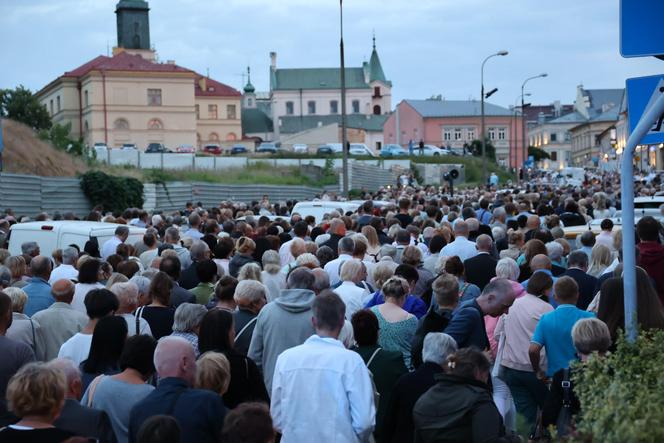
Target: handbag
[564, 421]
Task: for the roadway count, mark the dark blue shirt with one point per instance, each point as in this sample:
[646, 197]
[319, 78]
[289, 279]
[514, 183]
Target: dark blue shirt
[199, 413]
[412, 305]
[467, 326]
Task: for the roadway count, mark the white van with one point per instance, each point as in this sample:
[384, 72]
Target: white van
[319, 208]
[52, 235]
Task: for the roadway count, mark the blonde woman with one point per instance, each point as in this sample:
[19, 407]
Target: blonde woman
[600, 259]
[213, 372]
[23, 328]
[244, 249]
[373, 245]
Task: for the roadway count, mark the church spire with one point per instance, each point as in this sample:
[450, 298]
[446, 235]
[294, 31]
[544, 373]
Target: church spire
[249, 88]
[375, 68]
[374, 39]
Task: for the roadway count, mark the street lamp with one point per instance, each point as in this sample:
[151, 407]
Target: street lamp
[514, 131]
[344, 138]
[499, 53]
[523, 118]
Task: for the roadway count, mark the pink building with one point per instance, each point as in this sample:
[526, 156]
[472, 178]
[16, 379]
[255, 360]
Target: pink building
[453, 123]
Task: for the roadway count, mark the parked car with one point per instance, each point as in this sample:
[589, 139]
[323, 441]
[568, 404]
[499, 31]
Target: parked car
[319, 208]
[185, 149]
[156, 148]
[329, 149]
[213, 149]
[238, 149]
[128, 147]
[268, 147]
[430, 151]
[300, 148]
[360, 149]
[393, 151]
[101, 151]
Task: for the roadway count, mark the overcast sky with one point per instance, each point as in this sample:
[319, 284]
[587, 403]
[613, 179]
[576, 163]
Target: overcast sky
[426, 47]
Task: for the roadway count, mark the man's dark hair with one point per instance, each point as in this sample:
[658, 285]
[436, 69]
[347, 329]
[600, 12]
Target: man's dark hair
[206, 270]
[467, 213]
[5, 310]
[248, 423]
[367, 207]
[164, 246]
[100, 303]
[213, 332]
[128, 268]
[88, 272]
[325, 254]
[648, 229]
[329, 311]
[149, 239]
[300, 229]
[566, 289]
[138, 354]
[159, 429]
[223, 248]
[301, 278]
[171, 266]
[588, 239]
[540, 282]
[402, 237]
[225, 288]
[606, 224]
[577, 259]
[407, 272]
[522, 220]
[404, 203]
[436, 243]
[365, 327]
[121, 231]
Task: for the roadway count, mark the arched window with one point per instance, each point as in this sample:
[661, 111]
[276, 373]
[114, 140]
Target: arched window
[214, 137]
[155, 124]
[121, 124]
[376, 110]
[231, 136]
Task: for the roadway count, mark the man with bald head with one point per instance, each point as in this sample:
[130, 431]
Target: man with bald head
[59, 322]
[200, 413]
[38, 290]
[542, 263]
[481, 268]
[532, 225]
[337, 231]
[461, 246]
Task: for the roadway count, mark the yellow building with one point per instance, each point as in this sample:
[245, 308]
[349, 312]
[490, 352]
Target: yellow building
[131, 98]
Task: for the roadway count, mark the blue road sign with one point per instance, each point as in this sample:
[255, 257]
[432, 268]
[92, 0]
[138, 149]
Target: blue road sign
[641, 30]
[641, 95]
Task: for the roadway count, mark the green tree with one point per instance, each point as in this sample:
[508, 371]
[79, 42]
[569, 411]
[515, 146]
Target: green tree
[475, 148]
[58, 135]
[21, 105]
[537, 153]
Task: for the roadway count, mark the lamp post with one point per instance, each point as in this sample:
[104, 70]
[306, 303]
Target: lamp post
[501, 53]
[514, 134]
[523, 120]
[344, 138]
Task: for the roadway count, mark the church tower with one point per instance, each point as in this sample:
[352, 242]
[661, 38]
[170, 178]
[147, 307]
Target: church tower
[249, 99]
[133, 28]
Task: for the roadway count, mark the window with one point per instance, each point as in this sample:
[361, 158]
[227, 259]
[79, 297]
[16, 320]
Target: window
[457, 133]
[356, 106]
[376, 110]
[311, 107]
[554, 156]
[470, 134]
[155, 124]
[289, 108]
[51, 106]
[231, 137]
[554, 137]
[376, 91]
[501, 133]
[212, 112]
[492, 133]
[154, 97]
[568, 136]
[198, 112]
[121, 124]
[214, 137]
[230, 112]
[250, 102]
[58, 101]
[334, 107]
[85, 94]
[447, 135]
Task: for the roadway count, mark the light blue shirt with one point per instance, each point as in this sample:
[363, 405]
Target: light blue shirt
[554, 333]
[461, 247]
[39, 296]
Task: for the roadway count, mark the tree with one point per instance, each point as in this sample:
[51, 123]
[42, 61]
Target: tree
[58, 135]
[475, 148]
[19, 104]
[537, 153]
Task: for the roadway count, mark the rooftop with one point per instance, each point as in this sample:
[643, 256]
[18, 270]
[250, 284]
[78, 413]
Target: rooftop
[124, 62]
[318, 78]
[214, 88]
[295, 124]
[456, 108]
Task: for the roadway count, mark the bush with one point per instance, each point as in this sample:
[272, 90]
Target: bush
[622, 395]
[112, 193]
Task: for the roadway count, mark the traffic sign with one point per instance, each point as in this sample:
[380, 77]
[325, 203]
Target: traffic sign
[641, 95]
[641, 30]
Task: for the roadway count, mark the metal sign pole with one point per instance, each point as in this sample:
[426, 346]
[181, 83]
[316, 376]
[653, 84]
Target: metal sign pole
[627, 201]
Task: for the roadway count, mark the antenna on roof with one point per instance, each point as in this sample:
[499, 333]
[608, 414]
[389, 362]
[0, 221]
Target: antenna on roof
[108, 49]
[208, 72]
[374, 39]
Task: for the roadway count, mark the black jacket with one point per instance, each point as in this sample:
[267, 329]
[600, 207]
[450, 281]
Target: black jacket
[180, 295]
[189, 277]
[457, 409]
[246, 381]
[480, 270]
[236, 262]
[431, 322]
[587, 284]
[333, 243]
[85, 422]
[399, 426]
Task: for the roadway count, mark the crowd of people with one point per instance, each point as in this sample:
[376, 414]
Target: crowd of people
[424, 318]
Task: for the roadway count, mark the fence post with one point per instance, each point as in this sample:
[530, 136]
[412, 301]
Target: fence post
[162, 161]
[138, 158]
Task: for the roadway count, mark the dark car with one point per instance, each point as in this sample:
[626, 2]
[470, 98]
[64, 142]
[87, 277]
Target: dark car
[212, 149]
[156, 148]
[268, 147]
[238, 149]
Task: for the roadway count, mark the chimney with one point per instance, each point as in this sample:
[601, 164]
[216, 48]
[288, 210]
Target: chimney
[556, 108]
[170, 62]
[202, 83]
[273, 60]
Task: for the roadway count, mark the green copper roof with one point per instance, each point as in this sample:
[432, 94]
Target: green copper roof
[249, 88]
[375, 69]
[255, 121]
[132, 4]
[294, 124]
[318, 78]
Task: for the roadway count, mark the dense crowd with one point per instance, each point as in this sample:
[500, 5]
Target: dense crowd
[421, 317]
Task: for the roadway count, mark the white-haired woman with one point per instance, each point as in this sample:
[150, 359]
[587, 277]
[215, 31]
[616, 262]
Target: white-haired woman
[271, 277]
[187, 321]
[23, 328]
[127, 294]
[353, 272]
[250, 297]
[250, 271]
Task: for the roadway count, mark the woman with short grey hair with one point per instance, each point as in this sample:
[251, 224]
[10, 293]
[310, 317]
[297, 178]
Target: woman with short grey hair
[143, 285]
[507, 268]
[250, 297]
[271, 276]
[249, 271]
[437, 346]
[22, 328]
[187, 321]
[128, 299]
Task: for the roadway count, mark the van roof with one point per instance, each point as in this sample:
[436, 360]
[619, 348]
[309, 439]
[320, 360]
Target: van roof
[79, 227]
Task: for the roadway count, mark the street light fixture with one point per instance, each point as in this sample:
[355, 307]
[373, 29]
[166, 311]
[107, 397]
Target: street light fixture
[523, 120]
[344, 136]
[514, 128]
[483, 131]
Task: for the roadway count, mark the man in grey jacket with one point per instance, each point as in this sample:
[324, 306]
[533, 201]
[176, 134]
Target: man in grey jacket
[283, 323]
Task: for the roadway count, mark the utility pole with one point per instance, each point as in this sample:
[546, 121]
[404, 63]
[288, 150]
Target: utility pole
[344, 136]
[483, 129]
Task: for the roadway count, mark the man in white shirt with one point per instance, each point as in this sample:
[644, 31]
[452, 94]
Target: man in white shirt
[323, 373]
[346, 246]
[300, 229]
[66, 270]
[111, 245]
[172, 237]
[99, 303]
[461, 246]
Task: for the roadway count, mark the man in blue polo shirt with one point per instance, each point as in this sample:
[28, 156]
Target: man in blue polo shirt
[554, 330]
